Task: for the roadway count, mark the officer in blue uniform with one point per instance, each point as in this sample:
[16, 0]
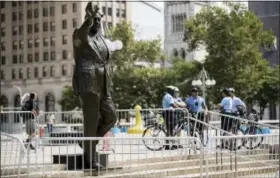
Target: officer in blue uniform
[226, 108]
[169, 105]
[238, 106]
[197, 107]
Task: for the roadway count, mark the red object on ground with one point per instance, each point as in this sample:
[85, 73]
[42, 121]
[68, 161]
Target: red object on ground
[41, 131]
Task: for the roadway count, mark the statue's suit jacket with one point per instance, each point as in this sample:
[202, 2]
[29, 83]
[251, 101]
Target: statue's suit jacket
[92, 62]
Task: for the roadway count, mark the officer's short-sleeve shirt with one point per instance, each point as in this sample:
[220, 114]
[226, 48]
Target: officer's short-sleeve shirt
[167, 101]
[237, 102]
[227, 104]
[194, 104]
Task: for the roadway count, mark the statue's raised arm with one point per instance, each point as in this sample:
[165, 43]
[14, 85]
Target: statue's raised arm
[91, 24]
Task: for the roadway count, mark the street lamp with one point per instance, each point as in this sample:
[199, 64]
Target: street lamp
[203, 80]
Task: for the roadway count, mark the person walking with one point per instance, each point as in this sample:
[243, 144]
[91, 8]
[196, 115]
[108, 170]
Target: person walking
[51, 119]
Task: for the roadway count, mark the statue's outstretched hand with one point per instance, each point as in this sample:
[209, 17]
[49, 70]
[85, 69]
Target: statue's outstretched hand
[90, 10]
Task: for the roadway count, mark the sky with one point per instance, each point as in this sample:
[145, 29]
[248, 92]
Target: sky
[160, 4]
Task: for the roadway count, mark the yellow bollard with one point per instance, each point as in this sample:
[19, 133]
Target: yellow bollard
[138, 128]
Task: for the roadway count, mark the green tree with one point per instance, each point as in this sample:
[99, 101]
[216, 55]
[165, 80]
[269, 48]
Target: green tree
[68, 100]
[232, 39]
[269, 91]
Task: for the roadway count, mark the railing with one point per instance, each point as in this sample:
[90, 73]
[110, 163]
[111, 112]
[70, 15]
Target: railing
[12, 154]
[130, 159]
[262, 159]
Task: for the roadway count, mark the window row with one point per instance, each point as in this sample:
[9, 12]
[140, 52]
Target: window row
[27, 74]
[35, 12]
[182, 53]
[33, 43]
[178, 21]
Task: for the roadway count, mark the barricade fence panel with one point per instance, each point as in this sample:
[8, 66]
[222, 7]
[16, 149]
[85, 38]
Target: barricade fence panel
[12, 153]
[128, 158]
[243, 156]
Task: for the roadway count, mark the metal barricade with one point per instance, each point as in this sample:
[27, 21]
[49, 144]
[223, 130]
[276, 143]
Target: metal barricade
[260, 161]
[12, 154]
[13, 122]
[130, 159]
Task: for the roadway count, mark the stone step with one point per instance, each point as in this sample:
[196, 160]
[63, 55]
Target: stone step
[244, 172]
[188, 170]
[188, 157]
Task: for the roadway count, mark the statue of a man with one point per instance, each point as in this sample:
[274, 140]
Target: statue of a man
[92, 82]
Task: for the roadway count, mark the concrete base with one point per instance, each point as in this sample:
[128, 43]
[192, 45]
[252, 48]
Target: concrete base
[75, 161]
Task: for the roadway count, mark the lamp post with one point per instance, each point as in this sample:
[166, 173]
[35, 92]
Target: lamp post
[203, 80]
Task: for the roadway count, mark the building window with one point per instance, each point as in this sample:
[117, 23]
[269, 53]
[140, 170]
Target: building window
[29, 44]
[118, 12]
[183, 53]
[45, 26]
[2, 6]
[27, 73]
[46, 42]
[17, 104]
[29, 14]
[36, 27]
[178, 21]
[29, 28]
[20, 15]
[64, 39]
[30, 58]
[52, 11]
[14, 3]
[175, 52]
[13, 74]
[52, 55]
[20, 44]
[52, 41]
[14, 16]
[20, 74]
[3, 47]
[52, 24]
[3, 31]
[74, 22]
[15, 60]
[15, 44]
[110, 11]
[3, 17]
[36, 56]
[64, 24]
[46, 56]
[45, 12]
[49, 103]
[74, 7]
[3, 60]
[104, 10]
[4, 102]
[63, 70]
[21, 58]
[44, 72]
[63, 9]
[52, 71]
[110, 25]
[14, 30]
[35, 72]
[64, 54]
[36, 13]
[20, 30]
[123, 14]
[37, 43]
[2, 75]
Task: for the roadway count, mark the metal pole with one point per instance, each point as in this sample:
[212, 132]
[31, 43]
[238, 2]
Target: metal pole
[203, 83]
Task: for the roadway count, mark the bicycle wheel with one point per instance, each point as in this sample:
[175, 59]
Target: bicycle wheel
[233, 143]
[154, 132]
[254, 142]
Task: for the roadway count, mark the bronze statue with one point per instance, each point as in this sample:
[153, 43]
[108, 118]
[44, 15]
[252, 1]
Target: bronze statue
[92, 82]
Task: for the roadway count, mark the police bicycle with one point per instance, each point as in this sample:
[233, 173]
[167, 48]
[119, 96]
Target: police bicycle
[156, 128]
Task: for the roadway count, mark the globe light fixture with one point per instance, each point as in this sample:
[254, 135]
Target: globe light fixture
[208, 82]
[199, 83]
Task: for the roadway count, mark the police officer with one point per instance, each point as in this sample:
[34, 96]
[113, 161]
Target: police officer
[169, 105]
[238, 106]
[197, 107]
[226, 108]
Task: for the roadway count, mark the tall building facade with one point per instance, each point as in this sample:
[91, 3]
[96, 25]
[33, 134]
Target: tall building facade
[36, 46]
[175, 15]
[268, 12]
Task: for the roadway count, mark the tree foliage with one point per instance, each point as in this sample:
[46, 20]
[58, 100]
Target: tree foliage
[68, 100]
[232, 39]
